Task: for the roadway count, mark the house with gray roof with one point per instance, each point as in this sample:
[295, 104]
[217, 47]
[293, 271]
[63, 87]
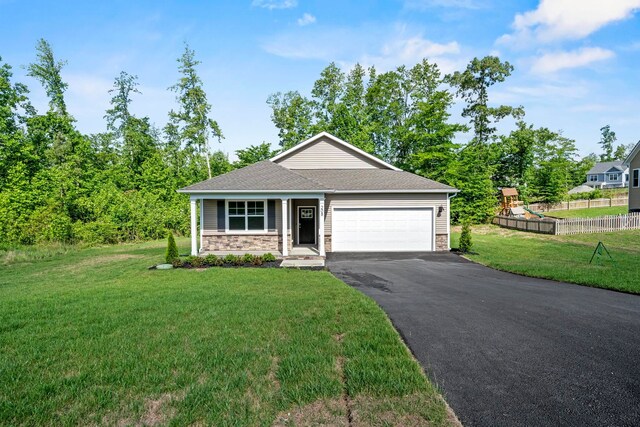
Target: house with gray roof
[323, 195]
[608, 175]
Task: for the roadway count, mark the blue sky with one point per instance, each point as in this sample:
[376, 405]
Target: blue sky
[577, 61]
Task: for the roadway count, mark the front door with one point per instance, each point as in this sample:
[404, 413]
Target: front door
[306, 225]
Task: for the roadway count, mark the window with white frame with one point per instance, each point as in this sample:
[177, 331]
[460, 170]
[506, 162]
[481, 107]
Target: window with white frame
[636, 178]
[593, 178]
[614, 176]
[246, 215]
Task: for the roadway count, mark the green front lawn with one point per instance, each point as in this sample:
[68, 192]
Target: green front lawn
[564, 258]
[92, 337]
[588, 213]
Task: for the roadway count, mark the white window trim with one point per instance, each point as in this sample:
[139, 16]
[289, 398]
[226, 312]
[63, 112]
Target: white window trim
[615, 175]
[633, 177]
[265, 230]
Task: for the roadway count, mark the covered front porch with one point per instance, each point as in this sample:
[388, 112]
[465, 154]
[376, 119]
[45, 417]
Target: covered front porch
[290, 226]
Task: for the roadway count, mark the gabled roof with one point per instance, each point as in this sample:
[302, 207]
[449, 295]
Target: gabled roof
[633, 154]
[264, 176]
[337, 140]
[507, 191]
[604, 167]
[373, 180]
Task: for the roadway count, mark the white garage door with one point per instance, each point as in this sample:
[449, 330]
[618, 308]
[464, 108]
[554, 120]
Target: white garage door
[382, 229]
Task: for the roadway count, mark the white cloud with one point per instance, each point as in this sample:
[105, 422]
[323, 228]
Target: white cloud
[460, 4]
[556, 61]
[384, 47]
[556, 20]
[306, 19]
[275, 4]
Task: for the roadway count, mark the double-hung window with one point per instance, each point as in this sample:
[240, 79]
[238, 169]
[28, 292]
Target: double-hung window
[246, 215]
[613, 176]
[636, 178]
[593, 178]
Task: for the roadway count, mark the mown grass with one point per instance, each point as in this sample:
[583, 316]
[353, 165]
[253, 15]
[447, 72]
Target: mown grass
[564, 258]
[588, 213]
[93, 337]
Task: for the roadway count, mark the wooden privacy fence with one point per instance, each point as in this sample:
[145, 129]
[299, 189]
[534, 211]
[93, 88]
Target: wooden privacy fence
[545, 226]
[579, 204]
[601, 224]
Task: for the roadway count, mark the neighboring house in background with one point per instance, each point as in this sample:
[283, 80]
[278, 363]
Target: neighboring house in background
[320, 196]
[608, 175]
[633, 163]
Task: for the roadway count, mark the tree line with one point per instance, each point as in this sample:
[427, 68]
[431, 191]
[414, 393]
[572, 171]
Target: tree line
[60, 185]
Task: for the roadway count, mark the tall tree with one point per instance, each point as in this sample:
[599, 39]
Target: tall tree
[291, 113]
[253, 154]
[607, 141]
[472, 85]
[118, 115]
[47, 71]
[192, 120]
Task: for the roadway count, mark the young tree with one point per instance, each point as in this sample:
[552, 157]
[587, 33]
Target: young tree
[47, 71]
[192, 122]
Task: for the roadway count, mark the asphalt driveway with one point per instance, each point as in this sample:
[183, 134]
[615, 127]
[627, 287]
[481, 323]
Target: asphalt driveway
[506, 349]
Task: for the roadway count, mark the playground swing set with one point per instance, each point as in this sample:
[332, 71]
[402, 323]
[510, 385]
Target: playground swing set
[512, 206]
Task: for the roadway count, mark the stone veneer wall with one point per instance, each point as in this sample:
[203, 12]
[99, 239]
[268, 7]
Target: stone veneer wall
[241, 242]
[442, 242]
[327, 243]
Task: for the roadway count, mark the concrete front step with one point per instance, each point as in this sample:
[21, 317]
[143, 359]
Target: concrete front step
[297, 263]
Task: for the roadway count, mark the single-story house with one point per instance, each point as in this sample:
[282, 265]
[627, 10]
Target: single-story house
[320, 196]
[608, 175]
[633, 163]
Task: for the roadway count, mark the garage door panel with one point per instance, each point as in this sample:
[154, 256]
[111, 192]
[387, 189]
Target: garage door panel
[382, 229]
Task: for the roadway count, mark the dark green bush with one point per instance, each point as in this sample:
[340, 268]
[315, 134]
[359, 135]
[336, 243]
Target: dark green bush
[465, 243]
[268, 257]
[257, 260]
[177, 263]
[247, 258]
[210, 259]
[230, 259]
[219, 262]
[172, 249]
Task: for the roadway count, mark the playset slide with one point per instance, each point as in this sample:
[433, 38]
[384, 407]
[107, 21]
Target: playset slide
[539, 215]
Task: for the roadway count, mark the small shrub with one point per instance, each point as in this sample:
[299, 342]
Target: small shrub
[176, 262]
[257, 260]
[210, 259]
[188, 261]
[172, 249]
[268, 257]
[219, 262]
[230, 259]
[247, 258]
[238, 260]
[465, 243]
[197, 261]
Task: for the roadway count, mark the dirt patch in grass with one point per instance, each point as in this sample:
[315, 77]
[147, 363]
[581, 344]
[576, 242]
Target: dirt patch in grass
[406, 411]
[97, 261]
[158, 411]
[328, 412]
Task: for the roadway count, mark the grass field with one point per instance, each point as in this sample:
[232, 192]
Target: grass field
[564, 258]
[91, 337]
[588, 213]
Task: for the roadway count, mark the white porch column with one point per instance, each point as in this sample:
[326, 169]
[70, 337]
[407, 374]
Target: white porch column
[201, 221]
[194, 228]
[321, 226]
[285, 234]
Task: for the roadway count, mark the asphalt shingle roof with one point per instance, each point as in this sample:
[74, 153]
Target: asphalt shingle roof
[261, 176]
[371, 180]
[603, 167]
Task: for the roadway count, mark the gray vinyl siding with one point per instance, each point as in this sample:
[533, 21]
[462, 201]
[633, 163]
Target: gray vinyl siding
[634, 193]
[327, 154]
[210, 219]
[388, 200]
